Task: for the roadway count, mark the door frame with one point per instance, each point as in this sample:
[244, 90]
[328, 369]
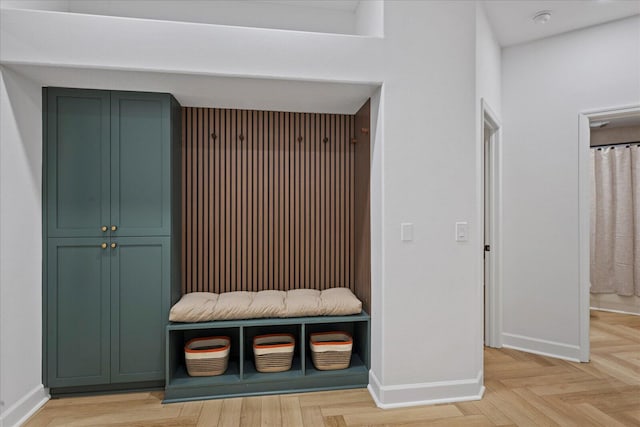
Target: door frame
[492, 289]
[584, 214]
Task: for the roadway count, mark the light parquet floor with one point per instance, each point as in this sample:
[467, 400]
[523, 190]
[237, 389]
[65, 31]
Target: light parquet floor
[522, 389]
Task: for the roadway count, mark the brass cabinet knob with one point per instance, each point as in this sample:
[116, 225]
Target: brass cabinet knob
[114, 245]
[103, 246]
[104, 228]
[114, 228]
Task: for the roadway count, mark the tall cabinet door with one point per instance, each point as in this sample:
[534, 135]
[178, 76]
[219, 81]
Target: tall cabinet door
[78, 324]
[78, 156]
[140, 156]
[139, 307]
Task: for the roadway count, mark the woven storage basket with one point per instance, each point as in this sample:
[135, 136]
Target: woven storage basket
[331, 350]
[273, 352]
[207, 356]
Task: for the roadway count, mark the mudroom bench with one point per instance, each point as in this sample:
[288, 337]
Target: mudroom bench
[241, 377]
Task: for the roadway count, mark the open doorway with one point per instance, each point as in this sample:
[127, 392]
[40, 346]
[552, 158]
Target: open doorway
[491, 131]
[609, 145]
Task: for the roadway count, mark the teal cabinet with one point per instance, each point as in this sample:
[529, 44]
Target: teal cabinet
[109, 163]
[78, 316]
[140, 159]
[110, 233]
[139, 307]
[243, 379]
[78, 162]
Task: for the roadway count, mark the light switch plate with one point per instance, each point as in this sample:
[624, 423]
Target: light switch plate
[406, 231]
[462, 231]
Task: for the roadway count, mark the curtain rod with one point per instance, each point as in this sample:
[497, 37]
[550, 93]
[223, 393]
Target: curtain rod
[628, 144]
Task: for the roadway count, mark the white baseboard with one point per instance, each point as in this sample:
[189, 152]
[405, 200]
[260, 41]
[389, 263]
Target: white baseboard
[403, 395]
[610, 310]
[541, 347]
[24, 408]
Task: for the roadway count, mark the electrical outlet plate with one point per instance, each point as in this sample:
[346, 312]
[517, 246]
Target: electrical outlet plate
[462, 231]
[406, 231]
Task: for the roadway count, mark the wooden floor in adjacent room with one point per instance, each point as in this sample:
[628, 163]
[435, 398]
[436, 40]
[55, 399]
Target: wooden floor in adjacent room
[522, 389]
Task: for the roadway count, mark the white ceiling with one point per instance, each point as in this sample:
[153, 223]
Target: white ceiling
[193, 90]
[512, 22]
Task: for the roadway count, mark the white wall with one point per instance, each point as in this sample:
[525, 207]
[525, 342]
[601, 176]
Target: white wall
[488, 90]
[370, 18]
[377, 227]
[615, 135]
[113, 43]
[612, 302]
[21, 388]
[300, 16]
[545, 85]
[488, 62]
[247, 13]
[53, 5]
[431, 304]
[427, 328]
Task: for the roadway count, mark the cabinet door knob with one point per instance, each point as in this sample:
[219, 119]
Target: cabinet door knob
[114, 245]
[104, 228]
[103, 246]
[114, 228]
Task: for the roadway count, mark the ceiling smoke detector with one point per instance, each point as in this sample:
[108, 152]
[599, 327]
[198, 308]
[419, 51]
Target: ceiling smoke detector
[542, 17]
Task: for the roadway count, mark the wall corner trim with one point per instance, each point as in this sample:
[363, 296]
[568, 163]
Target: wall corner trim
[405, 395]
[25, 407]
[542, 347]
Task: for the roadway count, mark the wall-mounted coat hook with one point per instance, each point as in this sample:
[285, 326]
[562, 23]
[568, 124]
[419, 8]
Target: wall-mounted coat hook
[364, 130]
[214, 136]
[300, 139]
[325, 139]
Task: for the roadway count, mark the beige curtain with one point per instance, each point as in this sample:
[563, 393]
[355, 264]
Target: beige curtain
[615, 220]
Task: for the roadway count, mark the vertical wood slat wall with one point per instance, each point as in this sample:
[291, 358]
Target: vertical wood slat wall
[267, 203]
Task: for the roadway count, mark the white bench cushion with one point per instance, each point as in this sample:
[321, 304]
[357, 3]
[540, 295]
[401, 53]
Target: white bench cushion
[205, 306]
[303, 302]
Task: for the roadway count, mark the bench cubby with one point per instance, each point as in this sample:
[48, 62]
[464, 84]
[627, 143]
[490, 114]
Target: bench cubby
[242, 378]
